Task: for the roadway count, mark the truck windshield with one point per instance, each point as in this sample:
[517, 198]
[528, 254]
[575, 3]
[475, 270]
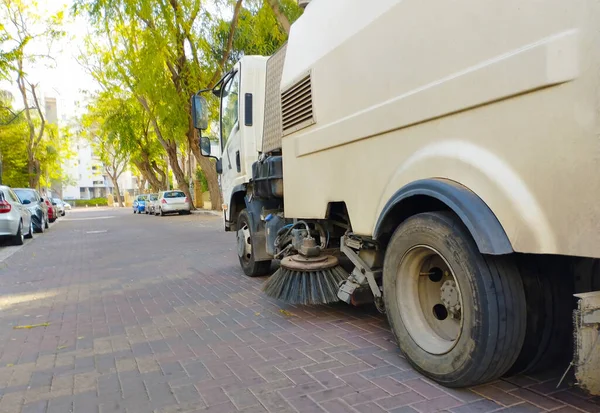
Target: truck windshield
[229, 107]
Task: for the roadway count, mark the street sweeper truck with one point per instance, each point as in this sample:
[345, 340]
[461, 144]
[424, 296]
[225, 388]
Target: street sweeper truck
[439, 159]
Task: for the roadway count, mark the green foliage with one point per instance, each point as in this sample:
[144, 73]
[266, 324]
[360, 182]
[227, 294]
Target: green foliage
[90, 202]
[201, 177]
[13, 152]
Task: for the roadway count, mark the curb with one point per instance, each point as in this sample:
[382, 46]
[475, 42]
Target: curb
[206, 212]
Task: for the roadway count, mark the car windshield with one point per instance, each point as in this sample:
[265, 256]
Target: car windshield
[174, 194]
[26, 194]
[56, 201]
[142, 198]
[153, 197]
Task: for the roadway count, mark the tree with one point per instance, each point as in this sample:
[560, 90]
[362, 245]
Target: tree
[27, 27]
[13, 159]
[162, 51]
[115, 162]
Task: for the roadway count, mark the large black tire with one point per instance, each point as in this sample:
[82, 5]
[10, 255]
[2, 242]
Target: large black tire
[492, 316]
[17, 239]
[549, 295]
[251, 267]
[46, 224]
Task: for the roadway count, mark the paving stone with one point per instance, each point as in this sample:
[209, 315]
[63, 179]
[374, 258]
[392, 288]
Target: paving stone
[180, 329]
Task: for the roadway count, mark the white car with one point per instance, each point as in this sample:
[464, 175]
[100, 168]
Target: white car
[172, 201]
[15, 218]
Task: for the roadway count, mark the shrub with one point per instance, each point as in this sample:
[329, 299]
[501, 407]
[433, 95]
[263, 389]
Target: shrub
[91, 202]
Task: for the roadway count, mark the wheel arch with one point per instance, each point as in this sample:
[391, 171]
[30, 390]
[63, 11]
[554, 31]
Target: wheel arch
[236, 204]
[437, 194]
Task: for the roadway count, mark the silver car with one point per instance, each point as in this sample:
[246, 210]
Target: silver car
[151, 203]
[15, 218]
[172, 201]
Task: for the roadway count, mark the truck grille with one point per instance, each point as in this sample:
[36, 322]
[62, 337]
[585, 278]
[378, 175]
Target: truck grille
[297, 106]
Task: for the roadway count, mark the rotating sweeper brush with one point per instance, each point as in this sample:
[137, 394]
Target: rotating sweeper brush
[309, 277]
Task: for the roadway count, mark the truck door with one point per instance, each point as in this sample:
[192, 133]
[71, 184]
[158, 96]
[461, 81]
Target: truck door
[231, 148]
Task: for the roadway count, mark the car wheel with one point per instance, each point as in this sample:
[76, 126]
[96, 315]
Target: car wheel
[162, 214]
[457, 315]
[245, 248]
[19, 239]
[52, 220]
[46, 225]
[29, 234]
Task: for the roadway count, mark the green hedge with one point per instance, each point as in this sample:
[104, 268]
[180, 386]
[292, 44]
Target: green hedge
[90, 202]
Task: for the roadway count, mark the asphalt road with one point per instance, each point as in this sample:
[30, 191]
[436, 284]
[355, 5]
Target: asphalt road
[115, 312]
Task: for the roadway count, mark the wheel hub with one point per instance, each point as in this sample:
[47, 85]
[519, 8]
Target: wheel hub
[244, 247]
[429, 300]
[450, 297]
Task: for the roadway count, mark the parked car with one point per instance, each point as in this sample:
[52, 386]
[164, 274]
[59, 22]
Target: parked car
[139, 204]
[15, 218]
[60, 206]
[67, 205]
[52, 210]
[172, 201]
[151, 203]
[38, 209]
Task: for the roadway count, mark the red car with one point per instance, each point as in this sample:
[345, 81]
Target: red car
[52, 210]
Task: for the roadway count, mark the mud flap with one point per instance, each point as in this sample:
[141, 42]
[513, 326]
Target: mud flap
[587, 342]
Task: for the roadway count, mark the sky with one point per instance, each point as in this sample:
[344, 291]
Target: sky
[63, 79]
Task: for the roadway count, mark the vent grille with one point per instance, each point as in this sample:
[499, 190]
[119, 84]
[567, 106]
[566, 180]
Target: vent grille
[297, 106]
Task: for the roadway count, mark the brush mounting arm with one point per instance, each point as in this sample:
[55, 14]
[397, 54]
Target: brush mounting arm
[362, 266]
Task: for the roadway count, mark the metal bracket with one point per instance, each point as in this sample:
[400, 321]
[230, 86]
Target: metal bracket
[591, 317]
[587, 342]
[363, 267]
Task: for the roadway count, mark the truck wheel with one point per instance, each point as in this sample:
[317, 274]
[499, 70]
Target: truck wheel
[245, 248]
[550, 305]
[458, 316]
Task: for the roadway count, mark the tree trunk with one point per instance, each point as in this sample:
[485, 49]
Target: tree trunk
[148, 173]
[118, 193]
[33, 169]
[163, 175]
[178, 172]
[210, 172]
[281, 18]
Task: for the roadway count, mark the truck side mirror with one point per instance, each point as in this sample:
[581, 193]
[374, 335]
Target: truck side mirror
[200, 112]
[204, 146]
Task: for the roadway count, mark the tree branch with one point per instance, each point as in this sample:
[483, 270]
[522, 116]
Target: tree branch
[281, 18]
[227, 51]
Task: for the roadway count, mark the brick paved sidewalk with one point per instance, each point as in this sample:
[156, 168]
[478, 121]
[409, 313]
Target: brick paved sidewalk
[152, 314]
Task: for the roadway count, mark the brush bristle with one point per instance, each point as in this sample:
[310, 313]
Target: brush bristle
[305, 287]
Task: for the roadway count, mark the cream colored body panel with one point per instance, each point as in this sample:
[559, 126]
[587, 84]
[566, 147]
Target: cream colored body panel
[500, 96]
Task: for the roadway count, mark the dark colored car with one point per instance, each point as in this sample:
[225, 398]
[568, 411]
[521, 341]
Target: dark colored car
[38, 209]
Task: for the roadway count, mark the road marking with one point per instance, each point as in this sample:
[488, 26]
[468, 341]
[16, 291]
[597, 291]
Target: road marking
[96, 232]
[87, 219]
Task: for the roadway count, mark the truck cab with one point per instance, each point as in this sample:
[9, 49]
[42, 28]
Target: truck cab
[241, 127]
